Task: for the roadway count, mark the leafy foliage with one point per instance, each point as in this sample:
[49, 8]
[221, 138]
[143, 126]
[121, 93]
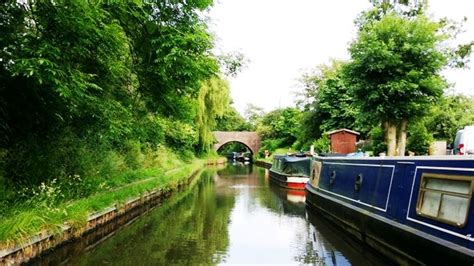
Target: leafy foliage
[181, 135]
[212, 102]
[59, 69]
[395, 68]
[252, 114]
[392, 80]
[233, 63]
[377, 141]
[97, 90]
[232, 121]
[450, 114]
[279, 128]
[322, 145]
[419, 139]
[328, 102]
[396, 58]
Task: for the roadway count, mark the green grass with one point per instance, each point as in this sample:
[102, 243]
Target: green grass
[32, 217]
[211, 155]
[279, 151]
[268, 160]
[70, 200]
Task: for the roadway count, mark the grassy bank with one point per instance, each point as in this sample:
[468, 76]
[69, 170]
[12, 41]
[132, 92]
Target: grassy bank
[49, 206]
[278, 151]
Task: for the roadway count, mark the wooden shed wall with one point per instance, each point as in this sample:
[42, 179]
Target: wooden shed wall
[343, 142]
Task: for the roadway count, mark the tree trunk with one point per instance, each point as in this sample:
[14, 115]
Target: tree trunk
[391, 138]
[402, 138]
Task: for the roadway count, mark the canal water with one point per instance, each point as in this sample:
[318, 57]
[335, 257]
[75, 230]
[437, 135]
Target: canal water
[233, 215]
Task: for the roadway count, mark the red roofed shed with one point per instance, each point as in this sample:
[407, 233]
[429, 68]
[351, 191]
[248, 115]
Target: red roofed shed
[343, 140]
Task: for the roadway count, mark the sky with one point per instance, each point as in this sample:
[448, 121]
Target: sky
[282, 39]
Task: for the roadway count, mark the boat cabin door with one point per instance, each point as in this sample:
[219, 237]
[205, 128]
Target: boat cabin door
[400, 189]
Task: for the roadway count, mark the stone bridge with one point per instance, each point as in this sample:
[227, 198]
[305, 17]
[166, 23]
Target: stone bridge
[249, 139]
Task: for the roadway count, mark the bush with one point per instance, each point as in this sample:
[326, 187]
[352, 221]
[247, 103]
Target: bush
[133, 155]
[150, 129]
[186, 155]
[419, 140]
[271, 145]
[297, 146]
[65, 167]
[322, 144]
[111, 164]
[35, 161]
[377, 141]
[180, 135]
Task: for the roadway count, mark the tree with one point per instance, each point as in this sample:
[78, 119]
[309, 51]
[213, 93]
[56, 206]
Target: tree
[280, 124]
[252, 114]
[232, 121]
[419, 139]
[450, 114]
[232, 63]
[171, 51]
[212, 102]
[59, 69]
[327, 101]
[395, 70]
[77, 77]
[99, 68]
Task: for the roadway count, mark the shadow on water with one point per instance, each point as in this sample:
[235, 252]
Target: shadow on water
[338, 248]
[233, 215]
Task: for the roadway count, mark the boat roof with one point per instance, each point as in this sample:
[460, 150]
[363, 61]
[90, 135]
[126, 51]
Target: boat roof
[296, 159]
[291, 158]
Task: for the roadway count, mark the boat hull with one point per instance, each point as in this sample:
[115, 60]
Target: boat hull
[380, 202]
[400, 243]
[289, 181]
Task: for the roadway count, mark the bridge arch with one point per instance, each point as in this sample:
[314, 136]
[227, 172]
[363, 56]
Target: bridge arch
[250, 139]
[235, 141]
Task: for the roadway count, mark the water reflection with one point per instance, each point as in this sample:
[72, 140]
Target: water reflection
[190, 228]
[229, 216]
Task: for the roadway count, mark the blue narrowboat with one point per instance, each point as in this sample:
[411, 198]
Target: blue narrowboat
[291, 172]
[412, 209]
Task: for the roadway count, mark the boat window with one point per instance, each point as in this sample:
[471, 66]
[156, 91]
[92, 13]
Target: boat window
[445, 198]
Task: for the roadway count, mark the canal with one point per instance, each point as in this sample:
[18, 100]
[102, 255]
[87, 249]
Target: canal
[233, 215]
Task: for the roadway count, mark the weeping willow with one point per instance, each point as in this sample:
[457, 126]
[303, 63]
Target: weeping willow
[213, 99]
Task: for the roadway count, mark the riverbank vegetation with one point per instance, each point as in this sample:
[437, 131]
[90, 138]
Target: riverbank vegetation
[391, 90]
[47, 211]
[100, 101]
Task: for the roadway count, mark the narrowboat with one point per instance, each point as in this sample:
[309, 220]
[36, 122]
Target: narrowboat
[415, 210]
[291, 171]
